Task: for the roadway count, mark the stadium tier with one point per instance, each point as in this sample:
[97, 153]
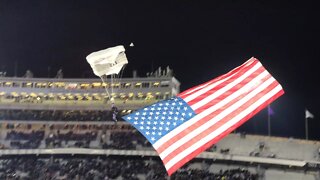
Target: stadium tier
[89, 94]
[103, 168]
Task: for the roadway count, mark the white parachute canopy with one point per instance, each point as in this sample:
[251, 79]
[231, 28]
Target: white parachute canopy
[108, 61]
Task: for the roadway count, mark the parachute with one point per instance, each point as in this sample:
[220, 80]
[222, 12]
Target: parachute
[108, 62]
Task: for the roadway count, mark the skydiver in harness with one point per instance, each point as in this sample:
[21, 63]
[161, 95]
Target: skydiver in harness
[114, 111]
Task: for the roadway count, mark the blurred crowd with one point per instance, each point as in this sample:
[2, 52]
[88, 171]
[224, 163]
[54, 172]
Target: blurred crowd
[233, 174]
[104, 139]
[24, 140]
[125, 140]
[56, 115]
[105, 168]
[54, 140]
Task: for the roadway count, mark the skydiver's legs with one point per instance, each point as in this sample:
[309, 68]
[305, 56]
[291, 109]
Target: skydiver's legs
[114, 111]
[114, 116]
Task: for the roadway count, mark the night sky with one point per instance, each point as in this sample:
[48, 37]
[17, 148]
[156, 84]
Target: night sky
[198, 40]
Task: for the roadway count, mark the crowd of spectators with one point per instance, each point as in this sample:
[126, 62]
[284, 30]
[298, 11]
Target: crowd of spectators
[105, 168]
[232, 174]
[55, 140]
[19, 135]
[89, 168]
[57, 115]
[126, 140]
[25, 140]
[64, 138]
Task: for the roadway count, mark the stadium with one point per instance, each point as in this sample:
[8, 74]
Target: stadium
[58, 128]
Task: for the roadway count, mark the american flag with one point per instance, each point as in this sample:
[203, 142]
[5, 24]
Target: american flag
[182, 127]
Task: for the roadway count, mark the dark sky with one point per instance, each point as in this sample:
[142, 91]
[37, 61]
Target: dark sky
[198, 40]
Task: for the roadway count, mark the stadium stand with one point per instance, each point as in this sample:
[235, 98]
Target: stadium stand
[95, 168]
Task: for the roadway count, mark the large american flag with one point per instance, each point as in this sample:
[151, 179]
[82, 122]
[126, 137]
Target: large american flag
[184, 126]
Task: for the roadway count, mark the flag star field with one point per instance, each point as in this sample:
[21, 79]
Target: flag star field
[157, 120]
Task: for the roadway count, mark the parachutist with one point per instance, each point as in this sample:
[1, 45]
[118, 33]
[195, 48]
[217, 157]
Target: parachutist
[109, 62]
[114, 111]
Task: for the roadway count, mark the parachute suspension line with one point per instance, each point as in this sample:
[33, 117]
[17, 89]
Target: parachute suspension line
[121, 73]
[105, 87]
[112, 86]
[117, 78]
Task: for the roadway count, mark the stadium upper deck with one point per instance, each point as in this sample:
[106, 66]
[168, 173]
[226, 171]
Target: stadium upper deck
[72, 94]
